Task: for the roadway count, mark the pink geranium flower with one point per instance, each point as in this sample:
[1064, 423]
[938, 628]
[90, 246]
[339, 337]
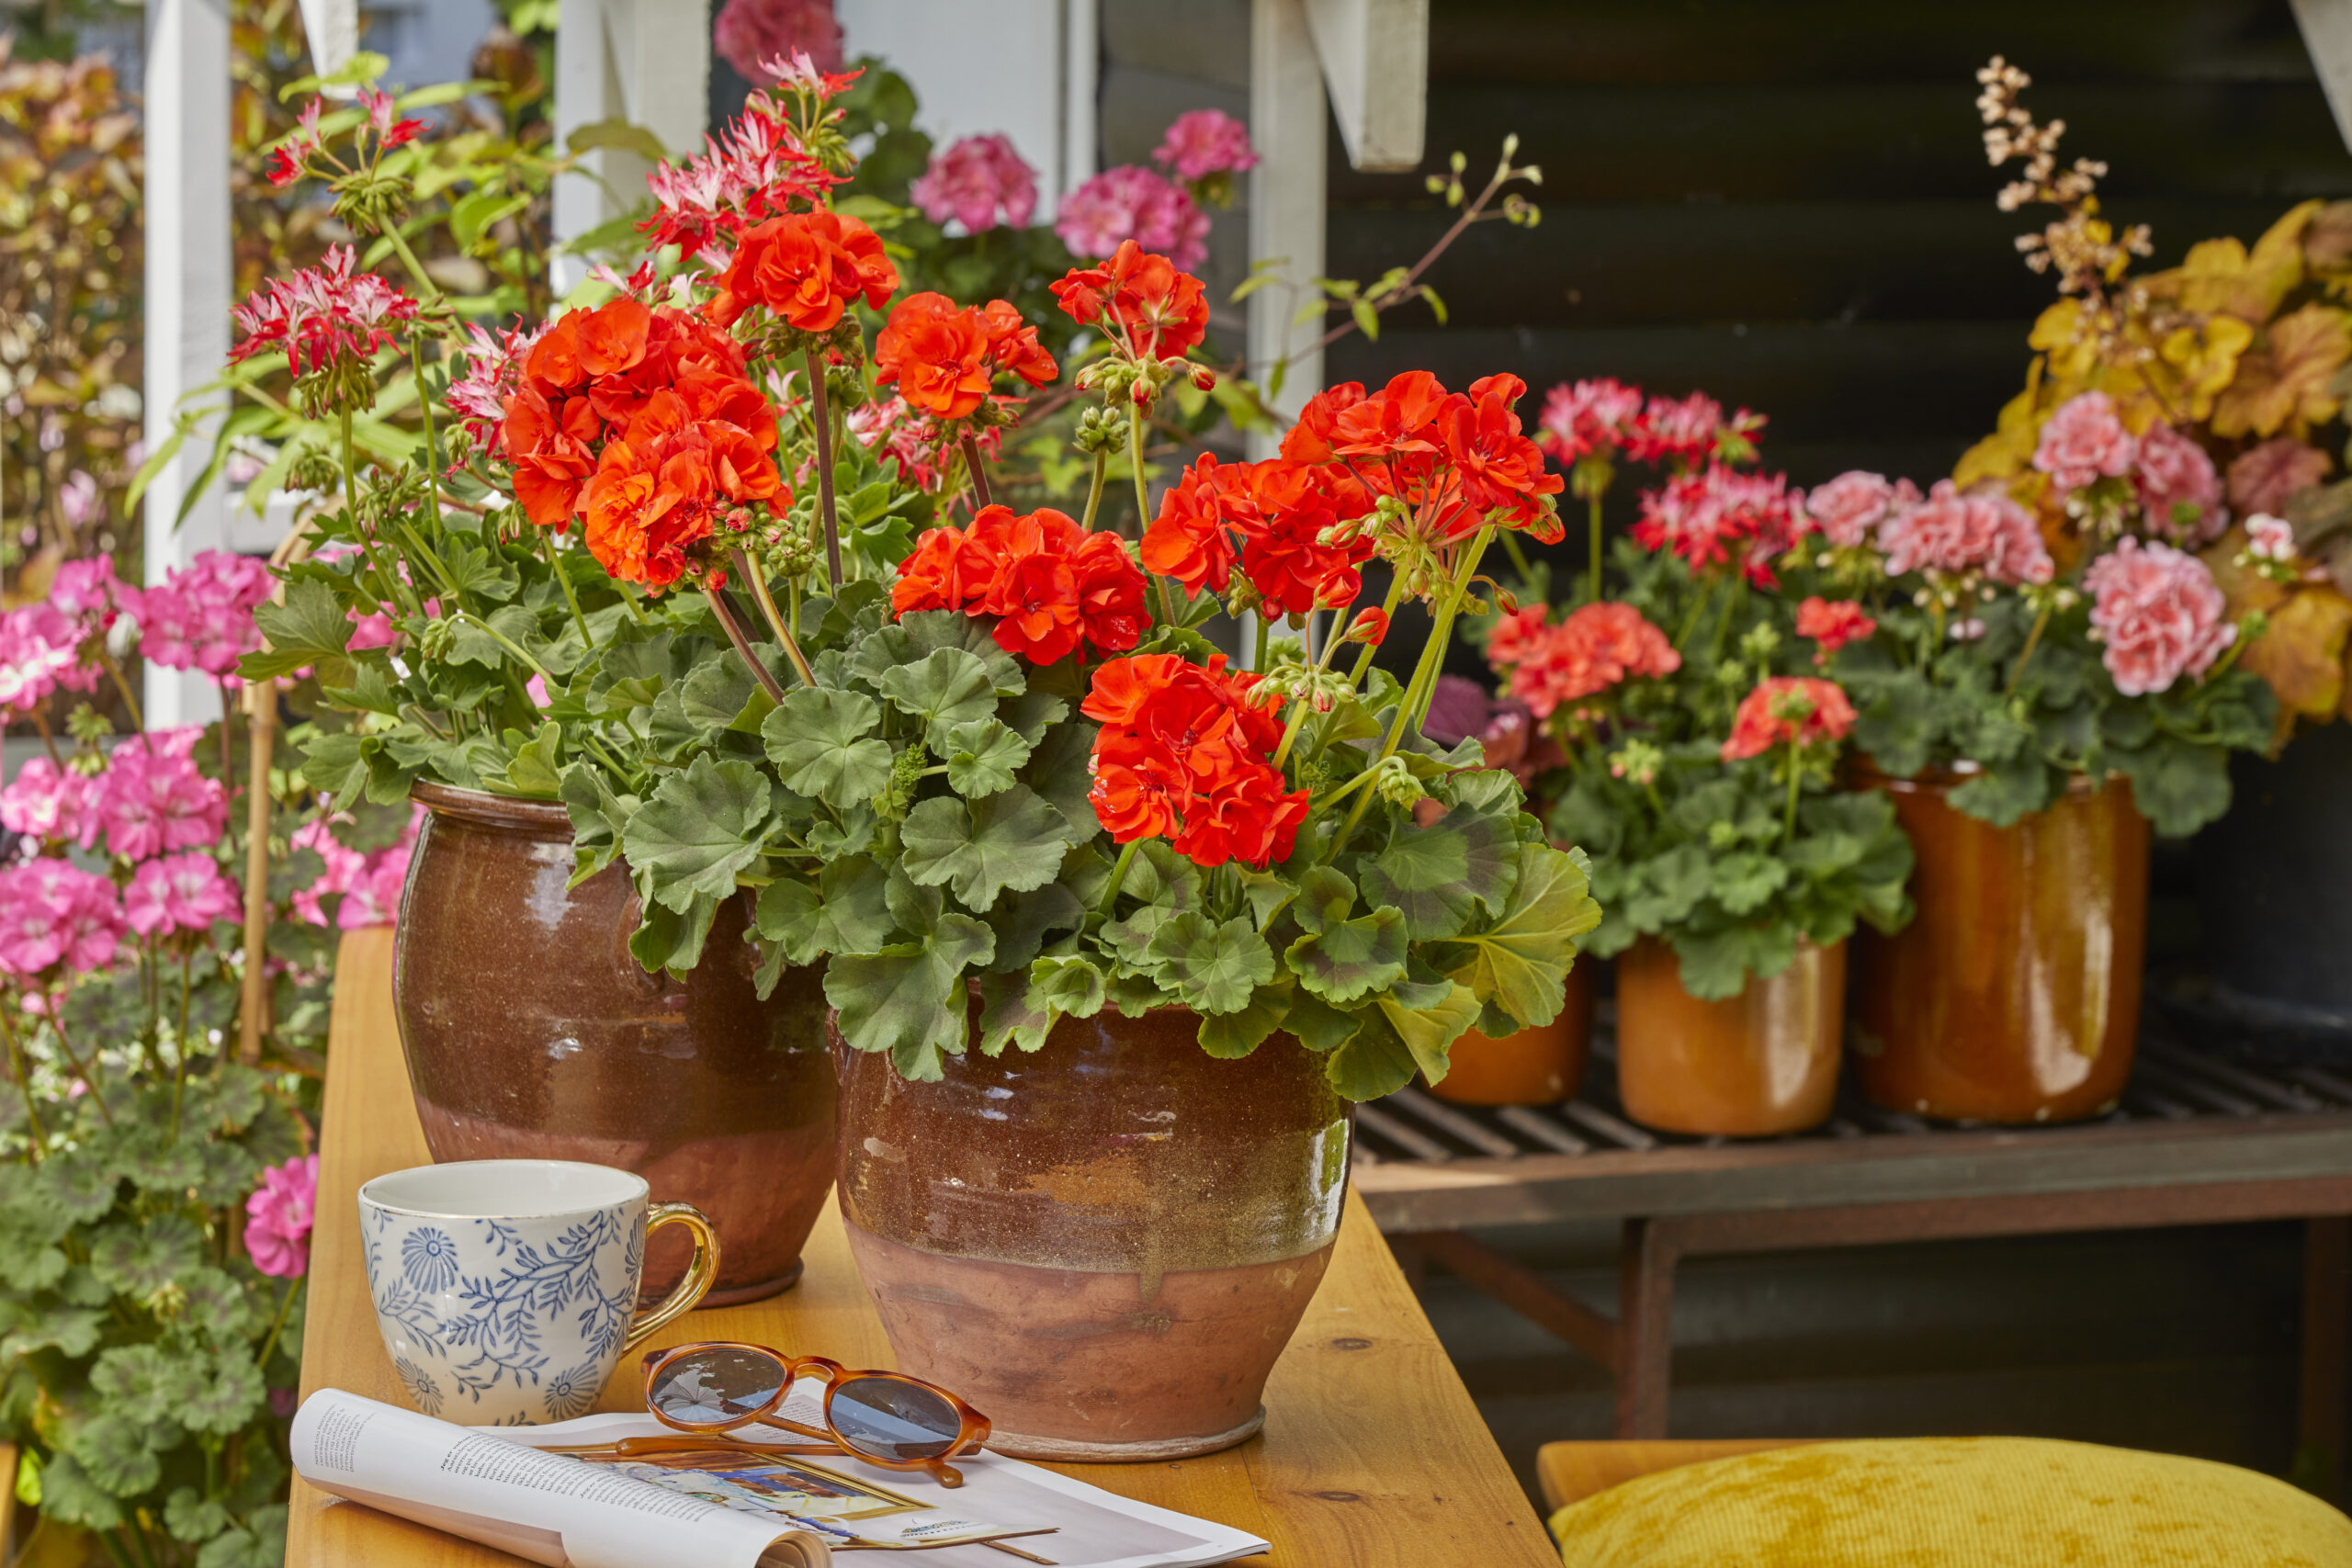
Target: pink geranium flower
[1850, 506]
[279, 1215]
[2180, 492]
[750, 34]
[1962, 533]
[2262, 478]
[202, 618]
[975, 180]
[182, 892]
[1589, 416]
[41, 652]
[52, 912]
[47, 802]
[2160, 613]
[2267, 539]
[152, 799]
[1133, 203]
[2083, 441]
[1704, 517]
[368, 884]
[1203, 142]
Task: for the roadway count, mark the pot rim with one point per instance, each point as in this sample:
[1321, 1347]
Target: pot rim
[512, 812]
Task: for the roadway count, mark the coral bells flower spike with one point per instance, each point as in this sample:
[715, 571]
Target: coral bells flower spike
[806, 268]
[1803, 709]
[1182, 755]
[2160, 613]
[1050, 584]
[1833, 623]
[974, 181]
[278, 1216]
[1595, 649]
[322, 316]
[2083, 441]
[1146, 302]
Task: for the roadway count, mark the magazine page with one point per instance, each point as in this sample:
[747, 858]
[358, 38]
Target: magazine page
[471, 1482]
[1089, 1528]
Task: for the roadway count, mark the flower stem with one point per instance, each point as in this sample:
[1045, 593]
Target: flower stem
[1593, 502]
[86, 1072]
[972, 466]
[824, 424]
[563, 581]
[768, 683]
[276, 1323]
[41, 722]
[1143, 508]
[114, 674]
[2032, 640]
[758, 580]
[1094, 493]
[22, 1073]
[432, 441]
[1796, 782]
[1110, 904]
[502, 641]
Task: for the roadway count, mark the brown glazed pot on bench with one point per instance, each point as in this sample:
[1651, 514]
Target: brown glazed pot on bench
[1106, 1243]
[532, 1032]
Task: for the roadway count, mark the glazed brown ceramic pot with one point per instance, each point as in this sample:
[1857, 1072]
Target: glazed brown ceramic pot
[531, 1033]
[2014, 996]
[1103, 1246]
[1762, 1062]
[1535, 1067]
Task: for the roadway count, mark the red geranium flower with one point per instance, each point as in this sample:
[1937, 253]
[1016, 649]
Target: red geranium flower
[946, 358]
[1182, 755]
[1833, 623]
[1050, 584]
[1784, 708]
[660, 492]
[1595, 649]
[806, 267]
[1151, 307]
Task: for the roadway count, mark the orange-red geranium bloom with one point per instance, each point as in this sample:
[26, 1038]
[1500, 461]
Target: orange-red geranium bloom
[1184, 754]
[658, 495]
[1803, 708]
[938, 354]
[1833, 623]
[1270, 519]
[1050, 584]
[806, 267]
[1148, 306]
[1595, 649]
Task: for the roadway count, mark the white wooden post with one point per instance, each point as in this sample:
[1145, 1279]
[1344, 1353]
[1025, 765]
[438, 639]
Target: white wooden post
[188, 285]
[331, 29]
[1287, 199]
[1376, 57]
[647, 61]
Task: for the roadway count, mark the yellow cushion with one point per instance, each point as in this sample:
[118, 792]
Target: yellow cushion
[1953, 1502]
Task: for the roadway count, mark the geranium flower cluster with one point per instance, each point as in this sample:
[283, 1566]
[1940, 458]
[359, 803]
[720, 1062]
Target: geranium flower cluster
[1848, 508]
[1147, 304]
[368, 882]
[756, 170]
[1686, 431]
[979, 182]
[278, 1218]
[1965, 536]
[150, 799]
[183, 892]
[304, 151]
[323, 317]
[1133, 205]
[1050, 585]
[913, 443]
[1803, 711]
[1270, 519]
[2174, 485]
[1184, 755]
[805, 268]
[1832, 623]
[1595, 649]
[1717, 514]
[40, 653]
[494, 373]
[2160, 615]
[54, 915]
[1587, 419]
[944, 357]
[202, 616]
[1201, 143]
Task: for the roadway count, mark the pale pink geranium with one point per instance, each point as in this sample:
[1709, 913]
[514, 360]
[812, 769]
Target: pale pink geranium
[1963, 533]
[182, 892]
[1850, 506]
[152, 799]
[2180, 492]
[1203, 142]
[47, 802]
[40, 650]
[2160, 613]
[202, 618]
[974, 181]
[2083, 441]
[1586, 417]
[279, 1215]
[2262, 476]
[52, 912]
[2267, 539]
[1131, 202]
[752, 34]
[91, 594]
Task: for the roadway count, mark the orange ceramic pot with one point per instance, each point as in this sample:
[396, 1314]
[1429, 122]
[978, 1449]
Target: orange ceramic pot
[1760, 1063]
[2015, 994]
[1535, 1067]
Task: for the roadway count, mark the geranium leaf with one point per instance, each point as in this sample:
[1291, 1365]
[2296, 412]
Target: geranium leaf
[916, 636]
[1439, 876]
[723, 693]
[1233, 1035]
[1022, 922]
[191, 1517]
[2177, 786]
[844, 912]
[308, 628]
[1212, 966]
[1716, 965]
[1009, 1014]
[70, 1496]
[822, 743]
[137, 1258]
[2008, 791]
[1058, 770]
[947, 687]
[701, 828]
[1317, 1024]
[1342, 959]
[1372, 1062]
[1428, 1017]
[982, 757]
[1068, 985]
[1742, 881]
[1662, 891]
[598, 817]
[535, 767]
[1030, 714]
[1522, 960]
[982, 847]
[673, 940]
[908, 999]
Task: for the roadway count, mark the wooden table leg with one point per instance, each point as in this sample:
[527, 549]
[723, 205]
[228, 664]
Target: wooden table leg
[1645, 1258]
[2327, 1282]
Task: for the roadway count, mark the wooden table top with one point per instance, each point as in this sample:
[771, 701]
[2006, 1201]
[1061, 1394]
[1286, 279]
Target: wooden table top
[1372, 1454]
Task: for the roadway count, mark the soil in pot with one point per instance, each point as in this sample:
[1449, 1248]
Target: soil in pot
[532, 1032]
[2013, 996]
[1761, 1063]
[1103, 1246]
[1535, 1067]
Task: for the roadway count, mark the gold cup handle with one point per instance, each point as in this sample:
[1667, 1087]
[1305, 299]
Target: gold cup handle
[700, 1271]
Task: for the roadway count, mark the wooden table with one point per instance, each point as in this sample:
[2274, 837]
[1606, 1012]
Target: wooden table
[1372, 1454]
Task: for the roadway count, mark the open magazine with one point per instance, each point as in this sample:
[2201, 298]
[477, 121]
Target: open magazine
[575, 1493]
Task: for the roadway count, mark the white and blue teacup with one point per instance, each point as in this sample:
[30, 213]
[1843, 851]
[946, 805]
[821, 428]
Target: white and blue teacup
[507, 1288]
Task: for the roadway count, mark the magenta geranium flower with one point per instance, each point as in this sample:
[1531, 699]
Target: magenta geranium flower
[2160, 613]
[152, 799]
[279, 1215]
[51, 913]
[976, 180]
[1133, 203]
[1589, 416]
[178, 893]
[1203, 142]
[201, 617]
[47, 802]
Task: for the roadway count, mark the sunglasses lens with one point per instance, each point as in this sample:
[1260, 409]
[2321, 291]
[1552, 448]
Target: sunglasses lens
[890, 1419]
[713, 1387]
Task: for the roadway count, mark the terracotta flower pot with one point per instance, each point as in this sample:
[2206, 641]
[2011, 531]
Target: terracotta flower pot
[2015, 994]
[1535, 1067]
[1760, 1063]
[1103, 1246]
[531, 1033]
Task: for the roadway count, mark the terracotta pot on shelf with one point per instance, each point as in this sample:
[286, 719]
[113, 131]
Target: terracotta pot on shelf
[2014, 995]
[1750, 1065]
[532, 1032]
[1104, 1244]
[1535, 1067]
